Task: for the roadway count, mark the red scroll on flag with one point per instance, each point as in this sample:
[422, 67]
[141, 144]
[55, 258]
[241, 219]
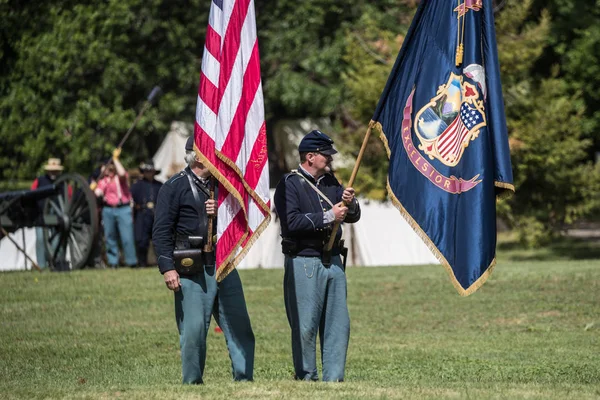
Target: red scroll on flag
[230, 133]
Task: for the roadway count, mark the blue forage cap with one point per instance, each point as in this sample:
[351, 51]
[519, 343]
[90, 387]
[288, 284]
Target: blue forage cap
[318, 142]
[189, 144]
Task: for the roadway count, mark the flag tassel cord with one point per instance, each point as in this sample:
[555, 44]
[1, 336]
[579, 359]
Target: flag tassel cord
[460, 34]
[336, 226]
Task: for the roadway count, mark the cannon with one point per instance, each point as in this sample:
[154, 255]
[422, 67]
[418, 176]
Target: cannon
[66, 210]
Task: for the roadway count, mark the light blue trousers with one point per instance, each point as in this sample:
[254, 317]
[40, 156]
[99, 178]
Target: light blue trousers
[118, 222]
[199, 297]
[40, 247]
[315, 301]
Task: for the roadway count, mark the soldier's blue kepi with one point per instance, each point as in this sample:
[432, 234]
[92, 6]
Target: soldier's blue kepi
[189, 144]
[443, 123]
[318, 142]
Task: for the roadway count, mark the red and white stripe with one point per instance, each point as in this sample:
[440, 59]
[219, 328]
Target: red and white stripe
[230, 132]
[451, 139]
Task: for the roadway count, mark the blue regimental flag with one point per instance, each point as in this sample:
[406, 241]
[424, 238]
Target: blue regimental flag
[442, 120]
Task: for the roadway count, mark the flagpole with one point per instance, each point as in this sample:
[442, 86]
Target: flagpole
[336, 226]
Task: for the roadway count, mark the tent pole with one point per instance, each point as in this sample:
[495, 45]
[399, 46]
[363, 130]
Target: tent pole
[20, 249]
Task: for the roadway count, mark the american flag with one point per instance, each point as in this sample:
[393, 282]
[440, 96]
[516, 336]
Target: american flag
[230, 133]
[450, 142]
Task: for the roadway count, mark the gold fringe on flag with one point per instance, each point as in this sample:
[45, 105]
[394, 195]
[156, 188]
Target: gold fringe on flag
[427, 240]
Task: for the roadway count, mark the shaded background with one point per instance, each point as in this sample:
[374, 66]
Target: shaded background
[74, 74]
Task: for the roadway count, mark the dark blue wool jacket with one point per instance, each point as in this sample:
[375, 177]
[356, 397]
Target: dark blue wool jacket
[176, 215]
[300, 210]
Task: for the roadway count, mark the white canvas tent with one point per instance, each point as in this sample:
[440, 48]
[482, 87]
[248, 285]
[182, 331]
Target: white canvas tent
[10, 257]
[170, 154]
[382, 237]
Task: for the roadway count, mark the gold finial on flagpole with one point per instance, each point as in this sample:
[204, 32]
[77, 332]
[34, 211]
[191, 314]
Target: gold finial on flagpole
[459, 48]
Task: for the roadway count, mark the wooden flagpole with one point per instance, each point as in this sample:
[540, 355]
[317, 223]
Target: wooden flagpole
[336, 226]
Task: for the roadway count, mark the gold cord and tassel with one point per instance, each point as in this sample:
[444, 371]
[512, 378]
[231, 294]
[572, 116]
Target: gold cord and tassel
[459, 54]
[460, 32]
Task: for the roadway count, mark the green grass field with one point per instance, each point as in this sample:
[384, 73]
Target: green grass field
[532, 331]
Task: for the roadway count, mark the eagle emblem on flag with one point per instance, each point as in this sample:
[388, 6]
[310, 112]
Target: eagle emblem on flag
[453, 118]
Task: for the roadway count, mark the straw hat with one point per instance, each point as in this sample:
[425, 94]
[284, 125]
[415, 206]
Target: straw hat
[53, 165]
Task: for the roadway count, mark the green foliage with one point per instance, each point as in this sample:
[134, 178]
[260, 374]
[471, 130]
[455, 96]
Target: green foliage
[301, 50]
[520, 44]
[73, 75]
[549, 161]
[371, 48]
[76, 82]
[574, 48]
[547, 127]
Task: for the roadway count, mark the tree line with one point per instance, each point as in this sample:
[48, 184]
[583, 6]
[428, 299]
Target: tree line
[74, 74]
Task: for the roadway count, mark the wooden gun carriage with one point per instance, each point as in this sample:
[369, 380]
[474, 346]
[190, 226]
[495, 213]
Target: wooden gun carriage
[66, 211]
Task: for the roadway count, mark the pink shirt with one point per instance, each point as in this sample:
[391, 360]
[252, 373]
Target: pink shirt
[115, 189]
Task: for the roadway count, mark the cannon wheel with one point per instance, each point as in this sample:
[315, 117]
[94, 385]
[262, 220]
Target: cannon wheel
[70, 242]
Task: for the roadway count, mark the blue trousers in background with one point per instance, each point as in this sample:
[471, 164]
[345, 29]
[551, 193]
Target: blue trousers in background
[199, 297]
[40, 247]
[144, 219]
[315, 301]
[118, 222]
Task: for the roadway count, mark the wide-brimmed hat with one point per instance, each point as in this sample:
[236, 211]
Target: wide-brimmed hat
[148, 166]
[53, 165]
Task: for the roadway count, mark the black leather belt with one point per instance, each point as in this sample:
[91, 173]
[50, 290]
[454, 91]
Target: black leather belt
[116, 206]
[295, 246]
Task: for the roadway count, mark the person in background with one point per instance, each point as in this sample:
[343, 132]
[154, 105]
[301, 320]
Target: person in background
[116, 212]
[144, 193]
[97, 258]
[53, 169]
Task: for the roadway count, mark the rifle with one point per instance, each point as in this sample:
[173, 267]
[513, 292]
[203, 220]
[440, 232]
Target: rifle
[156, 90]
[208, 246]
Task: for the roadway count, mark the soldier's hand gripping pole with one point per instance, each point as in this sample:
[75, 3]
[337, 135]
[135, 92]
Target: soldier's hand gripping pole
[208, 246]
[336, 226]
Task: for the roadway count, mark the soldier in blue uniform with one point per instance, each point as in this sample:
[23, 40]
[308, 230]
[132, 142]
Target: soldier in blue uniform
[179, 221]
[144, 193]
[309, 202]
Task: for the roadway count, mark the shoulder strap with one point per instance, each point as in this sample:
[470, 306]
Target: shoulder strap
[313, 187]
[197, 201]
